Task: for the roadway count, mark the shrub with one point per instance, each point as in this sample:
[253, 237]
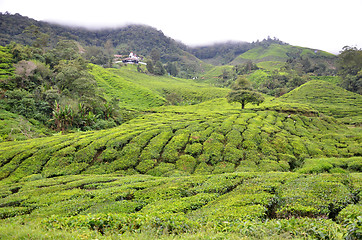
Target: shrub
[161, 169]
[349, 213]
[104, 124]
[315, 195]
[146, 165]
[108, 155]
[194, 149]
[273, 166]
[296, 210]
[155, 146]
[315, 166]
[232, 154]
[213, 148]
[224, 167]
[203, 168]
[290, 159]
[171, 150]
[234, 138]
[355, 164]
[186, 163]
[127, 158]
[247, 166]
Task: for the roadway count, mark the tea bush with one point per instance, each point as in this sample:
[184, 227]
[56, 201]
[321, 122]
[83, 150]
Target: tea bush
[254, 140]
[243, 203]
[313, 196]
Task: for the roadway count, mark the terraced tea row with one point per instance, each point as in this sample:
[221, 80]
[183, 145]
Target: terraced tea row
[328, 99]
[185, 143]
[230, 202]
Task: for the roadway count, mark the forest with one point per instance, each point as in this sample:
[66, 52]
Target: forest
[234, 140]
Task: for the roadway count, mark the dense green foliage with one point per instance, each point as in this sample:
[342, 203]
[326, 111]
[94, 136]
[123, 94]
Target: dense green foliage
[187, 140]
[350, 69]
[329, 99]
[14, 127]
[56, 89]
[175, 160]
[242, 205]
[6, 64]
[100, 45]
[136, 90]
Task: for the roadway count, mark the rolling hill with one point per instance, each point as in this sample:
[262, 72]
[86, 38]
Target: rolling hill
[278, 52]
[140, 91]
[196, 171]
[328, 99]
[140, 39]
[269, 138]
[189, 164]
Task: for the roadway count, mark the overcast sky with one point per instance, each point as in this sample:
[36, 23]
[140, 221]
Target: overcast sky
[322, 24]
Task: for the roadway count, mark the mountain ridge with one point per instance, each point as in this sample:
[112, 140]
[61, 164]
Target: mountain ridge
[133, 37]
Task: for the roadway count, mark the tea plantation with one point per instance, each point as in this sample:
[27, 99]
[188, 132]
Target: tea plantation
[329, 99]
[287, 169]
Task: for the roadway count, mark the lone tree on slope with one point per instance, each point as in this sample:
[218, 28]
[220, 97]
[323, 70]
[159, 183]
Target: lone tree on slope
[243, 93]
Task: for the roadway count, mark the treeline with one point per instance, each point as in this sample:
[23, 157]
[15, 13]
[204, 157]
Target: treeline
[138, 38]
[350, 69]
[54, 87]
[274, 83]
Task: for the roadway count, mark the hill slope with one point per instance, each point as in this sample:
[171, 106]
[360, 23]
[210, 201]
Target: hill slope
[328, 99]
[171, 143]
[140, 91]
[277, 52]
[14, 127]
[140, 39]
[229, 206]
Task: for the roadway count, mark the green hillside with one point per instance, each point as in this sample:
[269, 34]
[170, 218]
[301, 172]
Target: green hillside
[193, 141]
[328, 99]
[14, 127]
[277, 52]
[224, 206]
[130, 94]
[174, 159]
[195, 171]
[140, 91]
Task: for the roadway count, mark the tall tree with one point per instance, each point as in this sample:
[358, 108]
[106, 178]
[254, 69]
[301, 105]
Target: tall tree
[245, 96]
[243, 93]
[350, 69]
[155, 55]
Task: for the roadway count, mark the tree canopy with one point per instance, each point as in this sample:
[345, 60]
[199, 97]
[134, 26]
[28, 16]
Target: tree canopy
[243, 93]
[350, 69]
[244, 97]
